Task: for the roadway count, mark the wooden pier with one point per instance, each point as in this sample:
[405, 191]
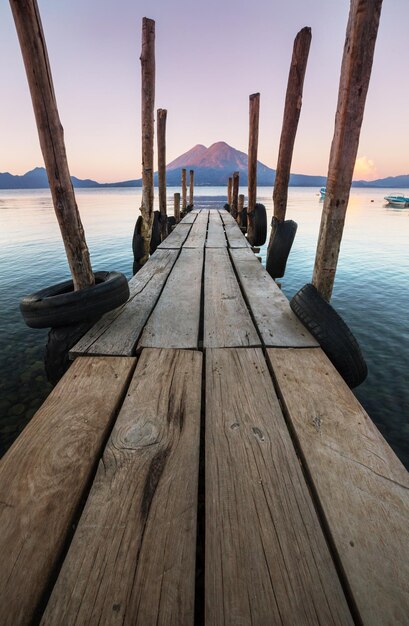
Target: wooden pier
[203, 462]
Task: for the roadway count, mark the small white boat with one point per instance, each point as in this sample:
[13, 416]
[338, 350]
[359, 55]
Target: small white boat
[398, 200]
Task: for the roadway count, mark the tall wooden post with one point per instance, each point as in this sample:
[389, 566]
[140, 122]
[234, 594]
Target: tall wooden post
[33, 47]
[192, 187]
[235, 195]
[148, 105]
[230, 190]
[161, 131]
[184, 190]
[176, 206]
[240, 208]
[252, 163]
[292, 110]
[355, 74]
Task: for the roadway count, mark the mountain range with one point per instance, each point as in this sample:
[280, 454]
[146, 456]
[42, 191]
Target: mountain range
[212, 166]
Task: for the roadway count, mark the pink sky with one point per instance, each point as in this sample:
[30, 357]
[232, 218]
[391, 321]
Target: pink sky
[209, 57]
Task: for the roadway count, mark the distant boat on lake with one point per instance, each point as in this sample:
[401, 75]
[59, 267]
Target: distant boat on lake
[397, 200]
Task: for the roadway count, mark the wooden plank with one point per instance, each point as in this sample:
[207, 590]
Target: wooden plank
[45, 475]
[235, 237]
[190, 217]
[198, 232]
[267, 561]
[118, 331]
[177, 237]
[174, 322]
[227, 322]
[132, 559]
[276, 323]
[215, 232]
[226, 217]
[362, 487]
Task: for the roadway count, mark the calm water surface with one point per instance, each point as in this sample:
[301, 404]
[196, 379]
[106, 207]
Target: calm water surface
[371, 289]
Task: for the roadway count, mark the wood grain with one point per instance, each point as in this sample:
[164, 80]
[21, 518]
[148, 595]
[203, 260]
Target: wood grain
[226, 217]
[148, 71]
[227, 322]
[362, 487]
[117, 332]
[51, 134]
[356, 69]
[267, 561]
[174, 322]
[198, 232]
[276, 323]
[177, 237]
[254, 113]
[161, 137]
[190, 217]
[132, 559]
[292, 110]
[235, 237]
[215, 232]
[46, 473]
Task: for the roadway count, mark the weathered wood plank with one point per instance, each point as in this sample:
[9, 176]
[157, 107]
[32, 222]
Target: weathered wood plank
[190, 217]
[198, 232]
[177, 237]
[174, 322]
[118, 331]
[235, 237]
[215, 232]
[227, 322]
[362, 487]
[132, 559]
[267, 561]
[45, 475]
[226, 217]
[276, 323]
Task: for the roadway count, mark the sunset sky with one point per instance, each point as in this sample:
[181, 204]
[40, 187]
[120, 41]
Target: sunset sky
[210, 56]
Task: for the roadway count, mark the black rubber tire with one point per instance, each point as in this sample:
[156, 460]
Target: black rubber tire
[59, 305]
[227, 207]
[156, 234]
[260, 225]
[171, 223]
[60, 341]
[283, 234]
[331, 332]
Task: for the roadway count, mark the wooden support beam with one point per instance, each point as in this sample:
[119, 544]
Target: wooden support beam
[292, 110]
[184, 190]
[51, 134]
[148, 104]
[161, 121]
[240, 207]
[235, 197]
[192, 187]
[176, 205]
[355, 74]
[229, 190]
[252, 163]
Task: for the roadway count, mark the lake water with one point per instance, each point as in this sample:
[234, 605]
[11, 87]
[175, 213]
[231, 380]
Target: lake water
[371, 289]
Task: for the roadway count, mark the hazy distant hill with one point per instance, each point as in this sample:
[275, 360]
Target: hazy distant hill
[212, 166]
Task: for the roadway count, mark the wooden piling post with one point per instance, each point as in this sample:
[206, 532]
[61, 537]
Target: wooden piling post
[235, 194]
[33, 47]
[184, 190]
[292, 110]
[252, 163]
[161, 131]
[148, 104]
[356, 68]
[192, 187]
[230, 190]
[240, 207]
[176, 206]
